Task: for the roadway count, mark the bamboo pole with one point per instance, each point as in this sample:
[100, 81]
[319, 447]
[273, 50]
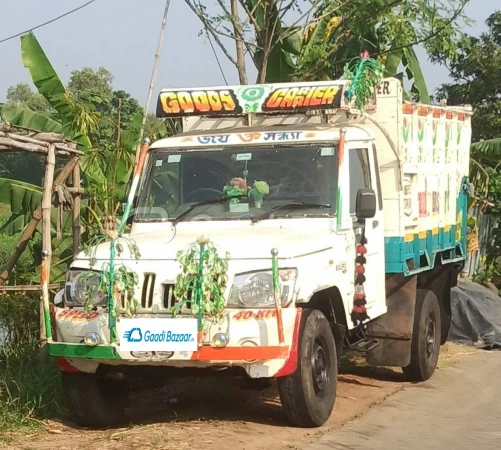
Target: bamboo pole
[276, 291]
[76, 211]
[9, 144]
[30, 287]
[46, 238]
[32, 225]
[153, 73]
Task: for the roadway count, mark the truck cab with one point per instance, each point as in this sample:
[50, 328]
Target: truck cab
[280, 227]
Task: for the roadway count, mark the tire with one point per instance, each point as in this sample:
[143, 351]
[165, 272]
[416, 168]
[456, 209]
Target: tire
[308, 395]
[95, 402]
[426, 335]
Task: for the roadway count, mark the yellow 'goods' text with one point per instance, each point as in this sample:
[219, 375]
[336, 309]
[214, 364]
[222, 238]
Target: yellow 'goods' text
[197, 102]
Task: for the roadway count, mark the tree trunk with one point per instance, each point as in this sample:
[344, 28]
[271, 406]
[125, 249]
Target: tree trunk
[239, 42]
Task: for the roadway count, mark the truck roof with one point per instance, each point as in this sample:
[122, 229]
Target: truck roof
[278, 134]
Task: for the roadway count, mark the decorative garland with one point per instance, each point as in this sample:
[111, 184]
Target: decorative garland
[359, 311]
[365, 74]
[202, 281]
[115, 280]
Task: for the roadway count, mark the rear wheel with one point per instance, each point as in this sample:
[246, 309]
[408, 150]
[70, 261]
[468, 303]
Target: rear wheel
[93, 401]
[425, 346]
[308, 395]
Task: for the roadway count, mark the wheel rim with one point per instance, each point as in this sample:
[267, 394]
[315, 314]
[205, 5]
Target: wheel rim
[319, 367]
[430, 338]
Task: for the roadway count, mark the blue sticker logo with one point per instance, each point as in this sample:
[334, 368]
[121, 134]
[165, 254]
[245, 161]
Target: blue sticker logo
[133, 335]
[158, 334]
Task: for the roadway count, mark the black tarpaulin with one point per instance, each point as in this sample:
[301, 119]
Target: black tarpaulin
[476, 316]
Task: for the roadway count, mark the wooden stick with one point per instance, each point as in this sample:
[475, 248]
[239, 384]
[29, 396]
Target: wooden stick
[29, 140]
[50, 164]
[15, 145]
[32, 225]
[30, 287]
[76, 211]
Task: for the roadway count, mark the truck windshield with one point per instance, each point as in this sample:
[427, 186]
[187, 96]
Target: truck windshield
[258, 179]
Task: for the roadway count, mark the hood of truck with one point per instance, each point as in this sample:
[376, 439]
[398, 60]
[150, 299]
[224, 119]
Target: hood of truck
[240, 244]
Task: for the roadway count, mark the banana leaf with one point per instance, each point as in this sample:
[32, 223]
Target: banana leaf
[488, 150]
[43, 74]
[415, 74]
[24, 117]
[50, 86]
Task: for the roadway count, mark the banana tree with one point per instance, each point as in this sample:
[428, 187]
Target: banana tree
[485, 158]
[105, 171]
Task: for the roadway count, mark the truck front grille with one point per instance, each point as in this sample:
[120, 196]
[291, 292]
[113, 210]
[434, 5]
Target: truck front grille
[169, 300]
[147, 291]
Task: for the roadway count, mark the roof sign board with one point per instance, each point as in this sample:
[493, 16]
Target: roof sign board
[263, 98]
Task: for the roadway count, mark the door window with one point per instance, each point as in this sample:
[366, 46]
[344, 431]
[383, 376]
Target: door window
[359, 174]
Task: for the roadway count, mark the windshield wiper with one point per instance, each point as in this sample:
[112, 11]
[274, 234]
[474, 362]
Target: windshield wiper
[210, 201]
[267, 214]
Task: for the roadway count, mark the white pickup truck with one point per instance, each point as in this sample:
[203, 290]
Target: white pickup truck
[341, 229]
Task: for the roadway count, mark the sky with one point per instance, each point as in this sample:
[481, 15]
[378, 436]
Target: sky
[122, 36]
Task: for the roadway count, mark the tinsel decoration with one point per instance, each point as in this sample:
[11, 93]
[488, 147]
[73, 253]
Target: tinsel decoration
[365, 74]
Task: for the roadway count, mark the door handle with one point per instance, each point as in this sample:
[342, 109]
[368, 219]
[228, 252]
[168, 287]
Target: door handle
[375, 223]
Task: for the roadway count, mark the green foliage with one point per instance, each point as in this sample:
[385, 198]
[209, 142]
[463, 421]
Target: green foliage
[107, 123]
[306, 41]
[29, 383]
[89, 80]
[21, 115]
[476, 75]
[489, 272]
[204, 277]
[21, 94]
[115, 280]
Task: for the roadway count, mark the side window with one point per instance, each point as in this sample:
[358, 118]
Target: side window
[359, 174]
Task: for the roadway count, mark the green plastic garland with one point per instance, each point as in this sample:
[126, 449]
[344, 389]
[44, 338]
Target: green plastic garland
[365, 74]
[202, 281]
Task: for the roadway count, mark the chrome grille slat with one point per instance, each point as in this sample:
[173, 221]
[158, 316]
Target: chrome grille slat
[147, 290]
[168, 299]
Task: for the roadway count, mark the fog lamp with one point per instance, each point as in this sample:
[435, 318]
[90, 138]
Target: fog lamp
[92, 339]
[220, 340]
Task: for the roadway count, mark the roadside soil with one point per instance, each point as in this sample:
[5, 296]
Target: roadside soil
[208, 413]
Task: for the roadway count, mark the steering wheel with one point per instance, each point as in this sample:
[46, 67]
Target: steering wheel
[197, 191]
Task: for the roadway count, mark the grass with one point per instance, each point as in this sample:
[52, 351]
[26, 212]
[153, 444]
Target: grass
[29, 386]
[450, 354]
[29, 380]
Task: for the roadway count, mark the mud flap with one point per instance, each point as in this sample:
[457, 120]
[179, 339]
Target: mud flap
[398, 321]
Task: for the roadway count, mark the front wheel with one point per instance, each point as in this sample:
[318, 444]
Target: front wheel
[425, 346]
[95, 402]
[308, 395]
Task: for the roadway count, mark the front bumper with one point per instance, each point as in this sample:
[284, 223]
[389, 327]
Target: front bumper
[253, 343]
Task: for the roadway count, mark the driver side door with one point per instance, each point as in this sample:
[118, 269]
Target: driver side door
[364, 173]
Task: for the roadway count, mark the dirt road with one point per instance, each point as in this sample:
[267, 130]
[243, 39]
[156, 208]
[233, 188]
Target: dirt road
[215, 413]
[457, 409]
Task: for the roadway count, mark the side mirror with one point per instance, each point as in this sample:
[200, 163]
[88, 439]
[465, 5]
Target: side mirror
[365, 206]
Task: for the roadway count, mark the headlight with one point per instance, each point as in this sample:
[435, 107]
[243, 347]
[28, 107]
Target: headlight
[82, 284]
[255, 289]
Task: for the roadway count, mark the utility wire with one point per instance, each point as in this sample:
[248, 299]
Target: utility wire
[217, 59]
[46, 23]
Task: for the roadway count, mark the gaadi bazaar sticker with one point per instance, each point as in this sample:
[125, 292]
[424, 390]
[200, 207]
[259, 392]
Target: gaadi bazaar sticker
[240, 100]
